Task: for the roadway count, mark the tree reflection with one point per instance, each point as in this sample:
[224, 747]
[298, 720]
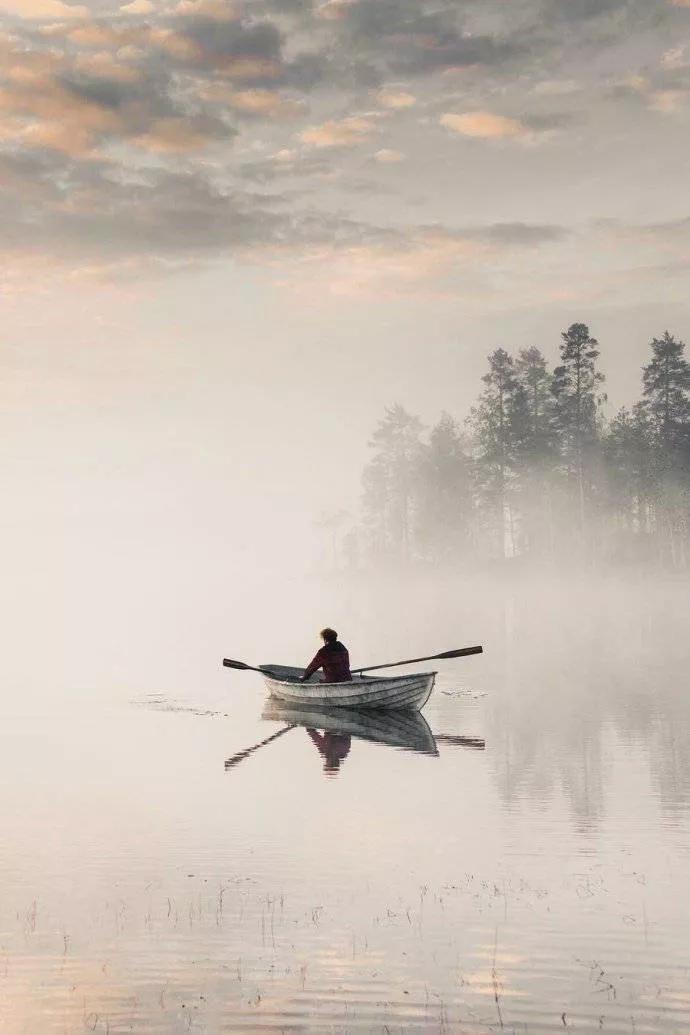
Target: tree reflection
[582, 669]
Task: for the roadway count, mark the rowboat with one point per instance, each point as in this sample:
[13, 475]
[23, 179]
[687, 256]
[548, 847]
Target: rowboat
[402, 728]
[371, 692]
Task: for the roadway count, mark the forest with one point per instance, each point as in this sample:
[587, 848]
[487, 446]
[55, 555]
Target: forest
[536, 471]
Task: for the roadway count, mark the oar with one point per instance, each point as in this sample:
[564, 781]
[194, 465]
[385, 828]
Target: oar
[461, 653]
[230, 762]
[229, 663]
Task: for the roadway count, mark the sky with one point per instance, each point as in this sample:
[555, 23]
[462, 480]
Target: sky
[233, 232]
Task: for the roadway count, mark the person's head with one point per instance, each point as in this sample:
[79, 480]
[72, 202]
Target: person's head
[329, 635]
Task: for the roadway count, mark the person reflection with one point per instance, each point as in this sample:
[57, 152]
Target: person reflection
[333, 748]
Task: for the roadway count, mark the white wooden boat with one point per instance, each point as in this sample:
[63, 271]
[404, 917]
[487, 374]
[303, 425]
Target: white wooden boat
[387, 692]
[401, 728]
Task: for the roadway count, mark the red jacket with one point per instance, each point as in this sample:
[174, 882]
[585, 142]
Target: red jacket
[334, 659]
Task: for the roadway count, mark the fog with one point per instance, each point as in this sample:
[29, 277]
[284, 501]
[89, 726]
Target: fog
[157, 518]
[517, 859]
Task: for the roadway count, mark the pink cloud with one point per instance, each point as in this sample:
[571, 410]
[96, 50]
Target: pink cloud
[483, 125]
[396, 99]
[43, 9]
[339, 132]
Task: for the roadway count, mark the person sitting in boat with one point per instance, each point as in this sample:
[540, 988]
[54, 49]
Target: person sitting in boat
[333, 658]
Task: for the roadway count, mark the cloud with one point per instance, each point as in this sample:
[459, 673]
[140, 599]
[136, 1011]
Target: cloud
[664, 89]
[253, 103]
[388, 156]
[395, 99]
[244, 51]
[107, 116]
[43, 9]
[427, 259]
[217, 10]
[671, 231]
[667, 101]
[584, 10]
[414, 38]
[288, 164]
[138, 7]
[99, 35]
[346, 132]
[156, 214]
[483, 125]
[49, 114]
[521, 234]
[80, 105]
[676, 57]
[334, 10]
[175, 135]
[103, 65]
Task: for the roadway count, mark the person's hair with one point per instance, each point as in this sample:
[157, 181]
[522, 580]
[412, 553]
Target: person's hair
[329, 635]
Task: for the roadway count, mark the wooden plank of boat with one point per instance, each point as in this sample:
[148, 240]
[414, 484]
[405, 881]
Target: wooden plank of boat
[400, 728]
[388, 692]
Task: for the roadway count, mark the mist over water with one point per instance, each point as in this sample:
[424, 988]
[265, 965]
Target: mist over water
[537, 884]
[179, 856]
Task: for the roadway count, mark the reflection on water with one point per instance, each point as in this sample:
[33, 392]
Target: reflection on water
[514, 859]
[333, 748]
[331, 731]
[403, 729]
[240, 756]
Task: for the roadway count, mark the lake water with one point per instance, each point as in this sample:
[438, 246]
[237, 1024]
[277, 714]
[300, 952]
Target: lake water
[524, 869]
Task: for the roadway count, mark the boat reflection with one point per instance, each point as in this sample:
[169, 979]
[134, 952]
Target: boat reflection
[331, 729]
[477, 743]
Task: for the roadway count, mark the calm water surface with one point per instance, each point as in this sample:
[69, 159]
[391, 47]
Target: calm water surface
[517, 860]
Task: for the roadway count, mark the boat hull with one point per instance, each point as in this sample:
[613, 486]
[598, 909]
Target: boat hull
[388, 693]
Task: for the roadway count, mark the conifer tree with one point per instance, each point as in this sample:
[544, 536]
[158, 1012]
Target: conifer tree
[494, 426]
[445, 511]
[666, 393]
[576, 384]
[630, 465]
[536, 450]
[390, 481]
[666, 400]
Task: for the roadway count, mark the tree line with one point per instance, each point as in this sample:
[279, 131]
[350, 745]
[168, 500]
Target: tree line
[536, 471]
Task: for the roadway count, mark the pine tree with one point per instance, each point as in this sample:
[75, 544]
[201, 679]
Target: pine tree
[533, 375]
[445, 509]
[536, 450]
[666, 392]
[666, 399]
[391, 482]
[576, 384]
[493, 423]
[631, 470]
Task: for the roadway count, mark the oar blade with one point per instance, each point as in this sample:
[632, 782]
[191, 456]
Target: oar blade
[243, 667]
[460, 653]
